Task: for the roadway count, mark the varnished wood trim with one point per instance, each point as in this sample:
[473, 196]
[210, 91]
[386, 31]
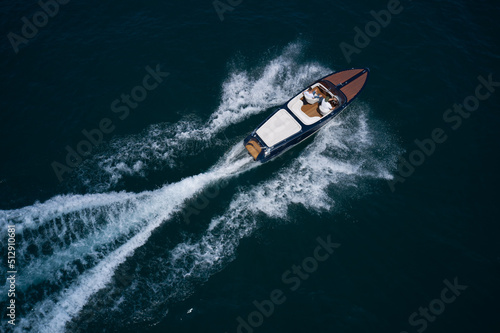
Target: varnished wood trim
[343, 76]
[353, 88]
[253, 148]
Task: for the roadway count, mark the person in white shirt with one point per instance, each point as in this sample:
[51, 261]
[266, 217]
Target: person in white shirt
[311, 96]
[326, 106]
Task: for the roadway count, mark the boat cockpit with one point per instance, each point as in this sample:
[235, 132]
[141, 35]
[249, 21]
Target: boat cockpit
[311, 109]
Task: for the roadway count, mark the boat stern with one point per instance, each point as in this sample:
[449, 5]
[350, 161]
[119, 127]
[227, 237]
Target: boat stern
[255, 148]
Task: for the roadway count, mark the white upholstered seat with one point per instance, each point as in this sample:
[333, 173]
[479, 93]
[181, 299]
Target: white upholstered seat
[309, 99]
[325, 107]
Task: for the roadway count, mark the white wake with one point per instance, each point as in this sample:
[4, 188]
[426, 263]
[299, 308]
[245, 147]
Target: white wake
[72, 245]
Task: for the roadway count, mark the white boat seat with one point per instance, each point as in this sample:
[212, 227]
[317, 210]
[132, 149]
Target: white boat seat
[324, 108]
[310, 100]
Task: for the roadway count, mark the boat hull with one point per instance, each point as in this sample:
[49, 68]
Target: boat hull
[264, 145]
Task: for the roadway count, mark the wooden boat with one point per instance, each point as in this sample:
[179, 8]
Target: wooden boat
[303, 115]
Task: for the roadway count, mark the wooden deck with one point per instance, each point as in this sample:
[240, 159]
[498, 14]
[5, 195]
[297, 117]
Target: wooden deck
[352, 89]
[253, 148]
[312, 109]
[343, 76]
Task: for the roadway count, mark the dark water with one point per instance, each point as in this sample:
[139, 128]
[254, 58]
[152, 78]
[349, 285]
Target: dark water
[166, 226]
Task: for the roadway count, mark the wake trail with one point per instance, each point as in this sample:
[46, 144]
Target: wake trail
[70, 237]
[134, 216]
[343, 155]
[72, 245]
[244, 93]
[345, 152]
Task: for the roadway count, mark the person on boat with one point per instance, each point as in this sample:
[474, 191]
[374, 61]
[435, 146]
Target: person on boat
[311, 96]
[311, 93]
[325, 106]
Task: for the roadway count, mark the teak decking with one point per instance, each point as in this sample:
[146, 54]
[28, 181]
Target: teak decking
[253, 148]
[349, 82]
[312, 109]
[353, 88]
[341, 77]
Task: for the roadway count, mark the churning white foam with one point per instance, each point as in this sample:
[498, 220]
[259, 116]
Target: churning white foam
[341, 153]
[341, 156]
[147, 209]
[244, 93]
[100, 231]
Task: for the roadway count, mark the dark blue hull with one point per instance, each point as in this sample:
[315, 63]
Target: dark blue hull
[345, 84]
